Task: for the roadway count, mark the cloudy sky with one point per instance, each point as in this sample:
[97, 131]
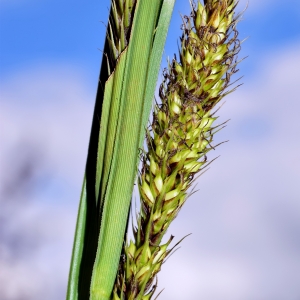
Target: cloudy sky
[245, 218]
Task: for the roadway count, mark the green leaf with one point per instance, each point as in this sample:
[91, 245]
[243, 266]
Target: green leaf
[72, 292]
[124, 105]
[108, 126]
[155, 60]
[117, 196]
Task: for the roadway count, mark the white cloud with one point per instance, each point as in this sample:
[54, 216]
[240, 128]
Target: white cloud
[50, 110]
[45, 116]
[36, 267]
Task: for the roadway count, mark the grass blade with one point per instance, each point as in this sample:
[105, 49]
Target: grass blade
[125, 154]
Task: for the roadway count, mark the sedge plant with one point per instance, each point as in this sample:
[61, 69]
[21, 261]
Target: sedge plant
[103, 265]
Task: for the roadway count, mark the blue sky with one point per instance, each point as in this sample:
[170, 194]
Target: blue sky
[245, 217]
[69, 32]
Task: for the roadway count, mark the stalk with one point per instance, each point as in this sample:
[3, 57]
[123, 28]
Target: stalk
[135, 40]
[118, 35]
[179, 138]
[132, 78]
[88, 219]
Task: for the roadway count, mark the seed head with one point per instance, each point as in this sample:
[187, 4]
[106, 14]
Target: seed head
[180, 135]
[120, 22]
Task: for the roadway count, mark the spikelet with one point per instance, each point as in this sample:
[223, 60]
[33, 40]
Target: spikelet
[119, 26]
[180, 136]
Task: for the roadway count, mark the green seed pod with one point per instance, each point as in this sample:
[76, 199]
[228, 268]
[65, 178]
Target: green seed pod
[143, 273]
[142, 255]
[161, 253]
[175, 109]
[206, 123]
[201, 16]
[193, 166]
[146, 192]
[115, 296]
[160, 151]
[131, 249]
[172, 194]
[158, 183]
[153, 166]
[148, 296]
[215, 19]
